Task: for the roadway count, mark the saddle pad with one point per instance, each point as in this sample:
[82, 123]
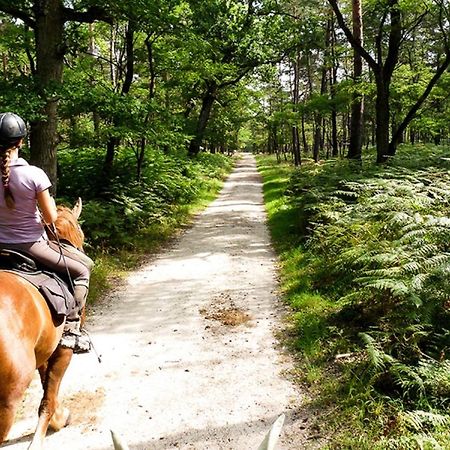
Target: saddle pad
[59, 299]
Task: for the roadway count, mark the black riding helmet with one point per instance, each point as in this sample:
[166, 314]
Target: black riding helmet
[12, 128]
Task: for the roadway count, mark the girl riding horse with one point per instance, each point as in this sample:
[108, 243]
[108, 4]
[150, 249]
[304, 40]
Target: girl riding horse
[29, 338]
[22, 190]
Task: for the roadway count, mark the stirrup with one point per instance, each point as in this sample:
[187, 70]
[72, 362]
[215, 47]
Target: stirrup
[77, 340]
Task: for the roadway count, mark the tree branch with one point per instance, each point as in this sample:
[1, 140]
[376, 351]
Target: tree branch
[129, 38]
[91, 15]
[445, 34]
[96, 56]
[28, 52]
[250, 65]
[395, 37]
[410, 28]
[379, 38]
[412, 112]
[237, 78]
[5, 6]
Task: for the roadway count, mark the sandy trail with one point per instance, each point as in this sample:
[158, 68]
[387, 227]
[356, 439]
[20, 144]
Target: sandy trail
[189, 358]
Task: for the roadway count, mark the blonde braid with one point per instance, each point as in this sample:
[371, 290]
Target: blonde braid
[5, 159]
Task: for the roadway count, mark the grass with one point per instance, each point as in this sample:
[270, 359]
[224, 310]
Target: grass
[281, 217]
[307, 327]
[309, 330]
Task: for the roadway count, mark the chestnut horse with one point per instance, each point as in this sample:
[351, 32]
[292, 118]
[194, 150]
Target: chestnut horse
[29, 338]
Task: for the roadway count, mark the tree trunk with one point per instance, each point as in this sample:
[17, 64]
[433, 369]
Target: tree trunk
[114, 141]
[47, 18]
[109, 158]
[49, 36]
[317, 137]
[140, 159]
[383, 71]
[333, 82]
[96, 119]
[396, 138]
[356, 125]
[151, 65]
[205, 113]
[296, 146]
[382, 119]
[319, 122]
[304, 140]
[295, 99]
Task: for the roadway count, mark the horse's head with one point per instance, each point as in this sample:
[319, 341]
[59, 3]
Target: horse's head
[67, 225]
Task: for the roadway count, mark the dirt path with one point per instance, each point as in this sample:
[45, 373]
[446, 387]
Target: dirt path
[188, 348]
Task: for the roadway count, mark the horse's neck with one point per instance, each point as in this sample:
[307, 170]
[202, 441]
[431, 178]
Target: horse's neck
[68, 229]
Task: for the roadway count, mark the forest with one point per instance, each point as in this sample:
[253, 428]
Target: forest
[139, 107]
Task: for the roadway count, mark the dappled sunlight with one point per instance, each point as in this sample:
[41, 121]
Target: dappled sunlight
[170, 360]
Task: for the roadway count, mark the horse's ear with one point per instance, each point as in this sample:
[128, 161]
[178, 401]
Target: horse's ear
[76, 210]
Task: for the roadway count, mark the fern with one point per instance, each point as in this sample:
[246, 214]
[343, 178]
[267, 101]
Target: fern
[380, 242]
[419, 420]
[396, 287]
[408, 379]
[437, 377]
[412, 267]
[378, 359]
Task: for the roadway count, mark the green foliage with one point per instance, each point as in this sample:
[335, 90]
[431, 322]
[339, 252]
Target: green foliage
[375, 257]
[129, 207]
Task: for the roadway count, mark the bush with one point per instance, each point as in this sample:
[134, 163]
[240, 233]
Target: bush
[376, 242]
[114, 217]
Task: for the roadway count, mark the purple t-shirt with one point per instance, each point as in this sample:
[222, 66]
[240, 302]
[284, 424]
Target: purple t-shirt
[23, 223]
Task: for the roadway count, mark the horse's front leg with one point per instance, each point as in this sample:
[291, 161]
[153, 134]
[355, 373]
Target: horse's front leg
[49, 410]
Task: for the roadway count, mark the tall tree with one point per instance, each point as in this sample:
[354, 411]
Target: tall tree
[383, 68]
[235, 37]
[47, 18]
[356, 124]
[295, 101]
[125, 82]
[441, 26]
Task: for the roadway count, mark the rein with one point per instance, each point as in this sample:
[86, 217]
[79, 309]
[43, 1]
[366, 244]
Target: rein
[54, 231]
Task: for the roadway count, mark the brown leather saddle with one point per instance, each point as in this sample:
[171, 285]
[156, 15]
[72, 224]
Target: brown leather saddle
[56, 290]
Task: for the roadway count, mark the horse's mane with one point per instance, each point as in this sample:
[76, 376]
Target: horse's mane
[68, 228]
